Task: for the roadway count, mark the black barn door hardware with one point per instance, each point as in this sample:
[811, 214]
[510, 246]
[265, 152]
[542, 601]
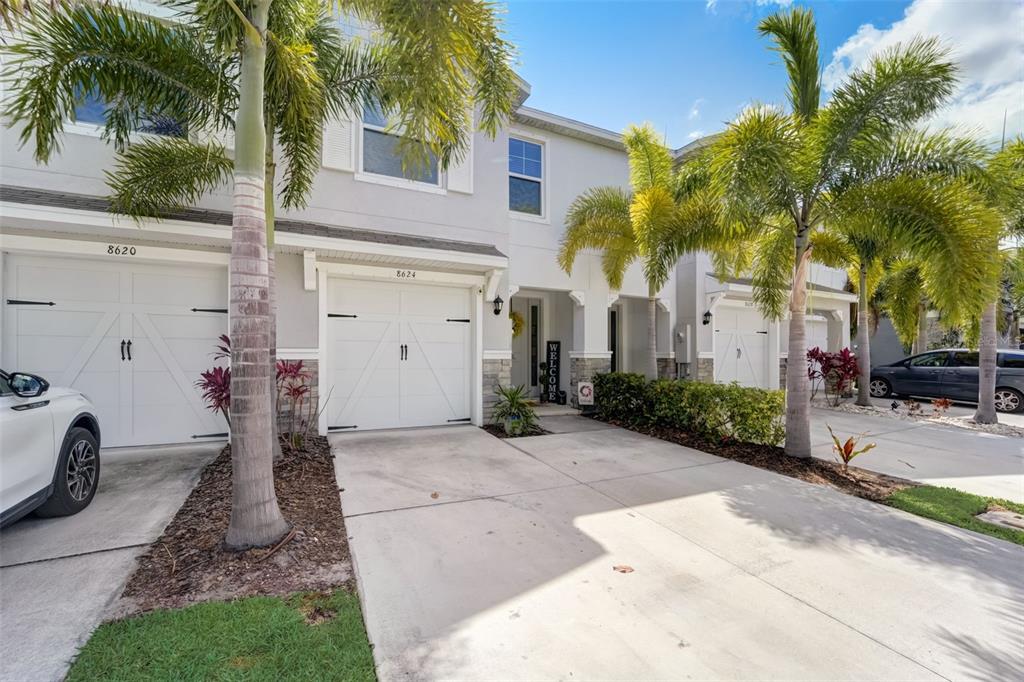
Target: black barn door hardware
[18, 301]
[210, 310]
[340, 315]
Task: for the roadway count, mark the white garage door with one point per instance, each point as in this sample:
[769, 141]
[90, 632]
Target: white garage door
[398, 355]
[132, 337]
[741, 346]
[817, 333]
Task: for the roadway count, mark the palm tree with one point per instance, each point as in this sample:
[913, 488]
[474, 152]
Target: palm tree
[782, 176]
[1007, 169]
[645, 224]
[866, 249]
[248, 67]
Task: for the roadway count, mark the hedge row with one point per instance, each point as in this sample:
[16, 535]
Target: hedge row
[714, 411]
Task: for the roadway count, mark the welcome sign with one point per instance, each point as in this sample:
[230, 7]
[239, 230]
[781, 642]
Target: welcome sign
[554, 360]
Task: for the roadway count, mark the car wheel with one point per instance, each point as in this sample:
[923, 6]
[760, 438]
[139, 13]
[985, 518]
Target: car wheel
[78, 475]
[1009, 400]
[880, 388]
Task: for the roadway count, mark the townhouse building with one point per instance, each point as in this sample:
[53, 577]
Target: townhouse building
[394, 290]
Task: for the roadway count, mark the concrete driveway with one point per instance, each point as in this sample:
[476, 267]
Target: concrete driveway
[974, 461]
[59, 576]
[483, 559]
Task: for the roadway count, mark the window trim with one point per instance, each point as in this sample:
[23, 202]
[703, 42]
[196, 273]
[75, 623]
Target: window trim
[363, 175]
[524, 136]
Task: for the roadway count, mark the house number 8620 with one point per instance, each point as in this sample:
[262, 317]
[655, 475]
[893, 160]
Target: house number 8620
[116, 250]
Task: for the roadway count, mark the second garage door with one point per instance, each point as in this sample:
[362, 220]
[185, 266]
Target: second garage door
[398, 355]
[741, 346]
[133, 337]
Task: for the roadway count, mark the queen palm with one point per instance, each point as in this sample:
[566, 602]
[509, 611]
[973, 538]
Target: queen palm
[1007, 170]
[644, 224]
[863, 244]
[781, 176]
[269, 73]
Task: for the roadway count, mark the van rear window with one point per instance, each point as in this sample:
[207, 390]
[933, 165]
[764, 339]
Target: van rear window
[1011, 361]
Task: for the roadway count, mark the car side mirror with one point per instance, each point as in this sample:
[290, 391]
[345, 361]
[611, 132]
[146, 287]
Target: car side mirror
[27, 385]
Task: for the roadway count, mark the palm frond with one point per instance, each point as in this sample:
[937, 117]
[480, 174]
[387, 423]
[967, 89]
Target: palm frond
[796, 39]
[902, 291]
[650, 163]
[140, 66]
[598, 219]
[447, 58]
[897, 89]
[160, 175]
[772, 270]
[752, 163]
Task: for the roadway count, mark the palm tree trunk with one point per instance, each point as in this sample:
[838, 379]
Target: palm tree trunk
[986, 413]
[863, 342]
[922, 328]
[652, 335]
[270, 175]
[798, 398]
[256, 519]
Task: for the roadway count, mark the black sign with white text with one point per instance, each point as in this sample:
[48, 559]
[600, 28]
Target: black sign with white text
[554, 360]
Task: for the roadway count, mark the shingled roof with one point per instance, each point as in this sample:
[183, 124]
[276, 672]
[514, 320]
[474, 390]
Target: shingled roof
[85, 202]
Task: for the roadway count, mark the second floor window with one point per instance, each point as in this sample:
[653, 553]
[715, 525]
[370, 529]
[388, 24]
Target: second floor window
[525, 176]
[94, 110]
[381, 155]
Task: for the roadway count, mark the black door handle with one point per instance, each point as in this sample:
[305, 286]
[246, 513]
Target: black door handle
[129, 351]
[401, 352]
[122, 350]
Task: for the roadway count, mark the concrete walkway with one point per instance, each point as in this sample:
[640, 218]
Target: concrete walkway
[974, 461]
[482, 559]
[59, 576]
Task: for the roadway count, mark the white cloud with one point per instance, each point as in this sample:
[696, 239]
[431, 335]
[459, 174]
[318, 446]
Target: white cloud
[986, 41]
[694, 134]
[695, 108]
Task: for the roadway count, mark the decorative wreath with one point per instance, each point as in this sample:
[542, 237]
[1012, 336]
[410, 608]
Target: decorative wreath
[517, 323]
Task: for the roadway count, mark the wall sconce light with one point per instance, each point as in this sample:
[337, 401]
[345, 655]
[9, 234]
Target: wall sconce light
[497, 305]
[707, 317]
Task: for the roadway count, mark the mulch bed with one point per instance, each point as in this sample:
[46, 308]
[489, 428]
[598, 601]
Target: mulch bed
[498, 431]
[855, 481]
[189, 563]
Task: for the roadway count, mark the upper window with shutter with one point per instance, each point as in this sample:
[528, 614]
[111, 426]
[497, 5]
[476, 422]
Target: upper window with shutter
[381, 155]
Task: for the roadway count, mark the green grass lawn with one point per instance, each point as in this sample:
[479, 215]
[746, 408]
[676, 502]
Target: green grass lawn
[258, 638]
[956, 508]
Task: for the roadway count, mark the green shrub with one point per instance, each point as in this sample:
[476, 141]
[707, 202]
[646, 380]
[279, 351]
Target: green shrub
[514, 412]
[622, 398]
[713, 411]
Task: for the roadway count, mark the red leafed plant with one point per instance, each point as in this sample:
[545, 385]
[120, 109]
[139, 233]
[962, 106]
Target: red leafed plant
[216, 387]
[835, 372]
[848, 450]
[292, 384]
[941, 405]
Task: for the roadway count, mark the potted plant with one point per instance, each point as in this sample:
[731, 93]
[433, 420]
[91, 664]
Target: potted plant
[514, 412]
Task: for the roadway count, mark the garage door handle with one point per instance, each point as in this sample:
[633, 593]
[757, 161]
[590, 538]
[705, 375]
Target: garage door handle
[129, 351]
[739, 352]
[122, 350]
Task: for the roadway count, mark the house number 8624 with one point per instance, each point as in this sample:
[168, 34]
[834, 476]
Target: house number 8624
[116, 250]
[405, 274]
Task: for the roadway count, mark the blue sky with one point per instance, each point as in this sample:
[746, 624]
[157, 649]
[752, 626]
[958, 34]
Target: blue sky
[687, 67]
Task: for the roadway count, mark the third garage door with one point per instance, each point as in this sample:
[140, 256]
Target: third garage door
[741, 346]
[398, 355]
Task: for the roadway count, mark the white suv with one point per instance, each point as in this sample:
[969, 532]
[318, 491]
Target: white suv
[49, 449]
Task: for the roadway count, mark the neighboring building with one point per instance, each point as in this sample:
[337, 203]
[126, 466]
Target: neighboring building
[387, 286]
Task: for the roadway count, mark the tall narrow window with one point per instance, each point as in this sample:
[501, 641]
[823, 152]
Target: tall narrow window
[525, 176]
[381, 154]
